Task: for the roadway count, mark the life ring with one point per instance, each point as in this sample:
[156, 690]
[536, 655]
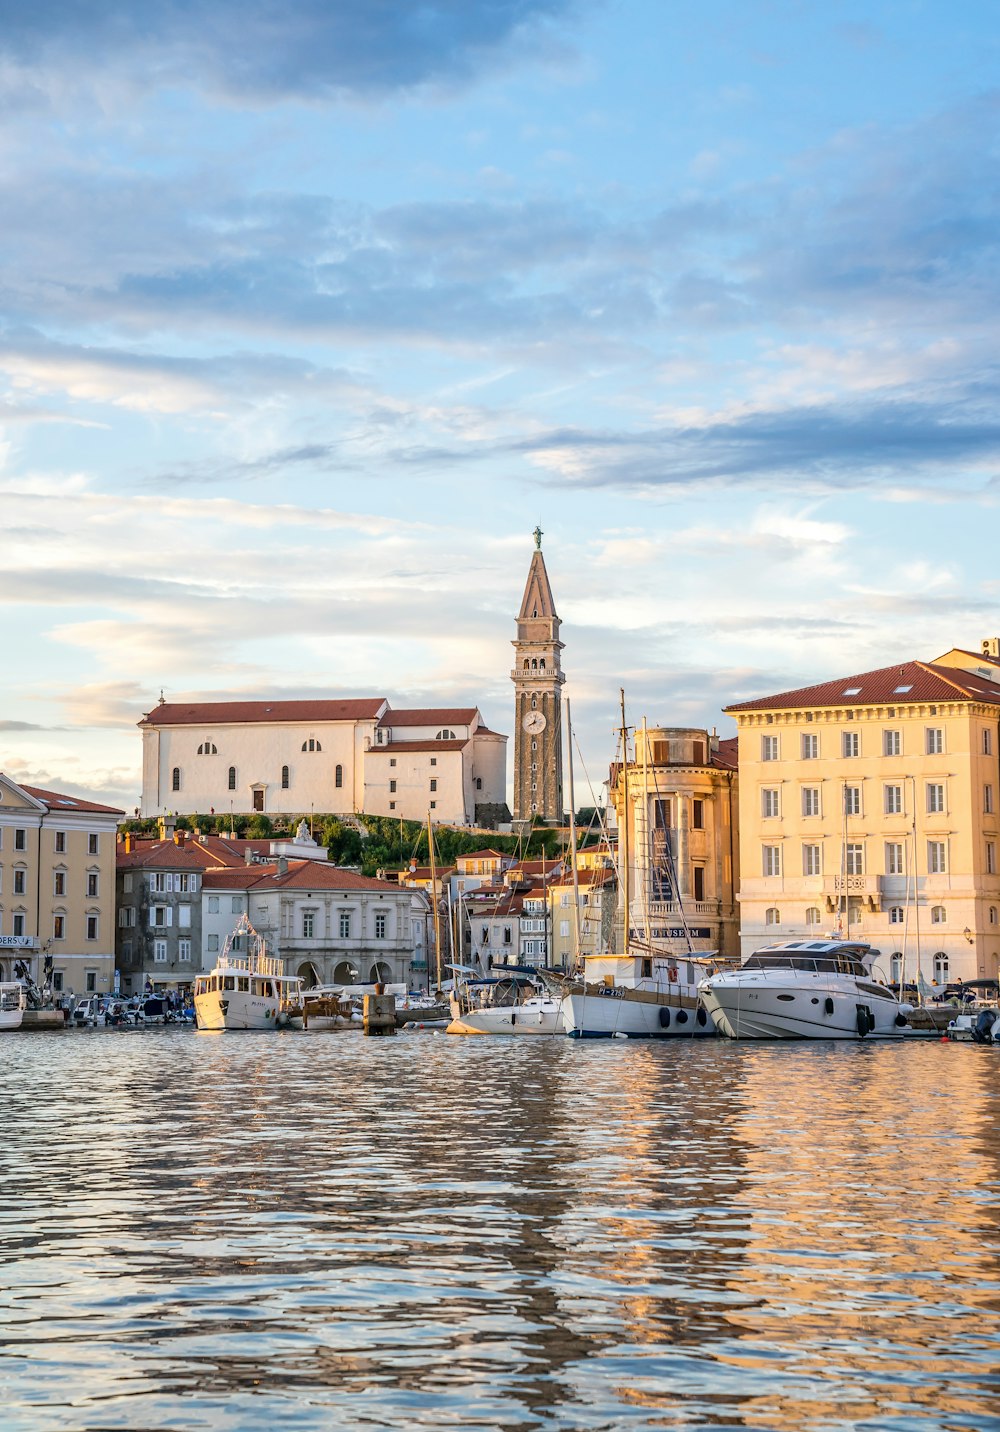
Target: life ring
[672, 974]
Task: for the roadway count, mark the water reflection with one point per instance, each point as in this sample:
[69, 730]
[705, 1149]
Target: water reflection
[327, 1230]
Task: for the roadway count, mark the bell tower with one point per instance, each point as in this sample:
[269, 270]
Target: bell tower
[538, 679]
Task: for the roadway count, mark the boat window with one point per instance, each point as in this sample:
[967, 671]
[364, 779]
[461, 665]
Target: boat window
[229, 982]
[827, 965]
[269, 989]
[244, 984]
[786, 996]
[800, 963]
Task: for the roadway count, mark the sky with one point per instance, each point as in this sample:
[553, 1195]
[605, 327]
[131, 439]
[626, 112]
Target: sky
[310, 311]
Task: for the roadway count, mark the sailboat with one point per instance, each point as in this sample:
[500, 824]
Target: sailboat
[638, 991]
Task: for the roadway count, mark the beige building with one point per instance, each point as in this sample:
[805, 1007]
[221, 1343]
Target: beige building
[57, 888]
[682, 845]
[869, 808]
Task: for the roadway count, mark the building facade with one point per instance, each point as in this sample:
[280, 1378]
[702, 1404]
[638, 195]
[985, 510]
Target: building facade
[538, 680]
[334, 757]
[869, 809]
[57, 889]
[679, 801]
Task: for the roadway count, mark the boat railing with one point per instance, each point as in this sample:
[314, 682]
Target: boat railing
[252, 964]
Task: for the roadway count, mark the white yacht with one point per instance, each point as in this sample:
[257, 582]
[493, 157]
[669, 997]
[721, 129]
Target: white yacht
[506, 1003]
[804, 989]
[247, 990]
[638, 996]
[11, 1004]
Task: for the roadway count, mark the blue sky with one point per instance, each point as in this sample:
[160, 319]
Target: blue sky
[310, 311]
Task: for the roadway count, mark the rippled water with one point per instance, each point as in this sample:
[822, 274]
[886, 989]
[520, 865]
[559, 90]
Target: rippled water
[323, 1230]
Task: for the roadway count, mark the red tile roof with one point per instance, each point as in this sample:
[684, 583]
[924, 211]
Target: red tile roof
[314, 875]
[238, 877]
[207, 713]
[431, 716]
[907, 682]
[165, 855]
[726, 757]
[55, 801]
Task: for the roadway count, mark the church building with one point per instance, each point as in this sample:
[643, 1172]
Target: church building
[332, 757]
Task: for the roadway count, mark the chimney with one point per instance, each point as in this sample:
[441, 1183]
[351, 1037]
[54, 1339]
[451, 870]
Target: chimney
[167, 824]
[282, 865]
[128, 842]
[248, 856]
[179, 837]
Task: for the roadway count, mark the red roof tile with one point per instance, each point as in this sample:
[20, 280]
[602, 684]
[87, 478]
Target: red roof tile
[314, 875]
[208, 713]
[55, 801]
[726, 758]
[431, 716]
[907, 682]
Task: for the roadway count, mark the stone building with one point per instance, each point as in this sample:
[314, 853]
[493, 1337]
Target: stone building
[538, 680]
[681, 798]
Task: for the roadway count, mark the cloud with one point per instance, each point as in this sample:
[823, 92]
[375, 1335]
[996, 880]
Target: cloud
[257, 50]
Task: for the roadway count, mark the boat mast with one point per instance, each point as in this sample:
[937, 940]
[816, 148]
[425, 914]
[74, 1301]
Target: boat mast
[623, 837]
[572, 842]
[434, 902]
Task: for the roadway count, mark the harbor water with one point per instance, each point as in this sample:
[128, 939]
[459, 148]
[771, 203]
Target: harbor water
[307, 1230]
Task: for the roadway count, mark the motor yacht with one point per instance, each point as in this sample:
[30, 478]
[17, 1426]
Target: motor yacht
[804, 989]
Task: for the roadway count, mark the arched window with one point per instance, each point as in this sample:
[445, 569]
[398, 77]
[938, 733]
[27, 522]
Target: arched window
[526, 663]
[208, 748]
[284, 778]
[812, 915]
[311, 745]
[993, 914]
[772, 916]
[479, 783]
[175, 779]
[896, 915]
[941, 967]
[896, 966]
[938, 915]
[232, 778]
[541, 663]
[338, 777]
[534, 663]
[445, 735]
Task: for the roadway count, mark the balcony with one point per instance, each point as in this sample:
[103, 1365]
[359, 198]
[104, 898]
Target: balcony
[863, 887]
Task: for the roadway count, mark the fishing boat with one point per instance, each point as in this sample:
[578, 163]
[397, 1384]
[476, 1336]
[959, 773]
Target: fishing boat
[247, 990]
[805, 989]
[12, 1002]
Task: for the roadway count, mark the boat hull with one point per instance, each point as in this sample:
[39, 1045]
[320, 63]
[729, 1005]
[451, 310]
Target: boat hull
[602, 1012]
[11, 1005]
[534, 1017]
[755, 1007]
[232, 1009]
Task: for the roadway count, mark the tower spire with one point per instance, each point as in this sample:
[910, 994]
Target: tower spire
[538, 680]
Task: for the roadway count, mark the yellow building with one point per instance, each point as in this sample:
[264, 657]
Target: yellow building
[57, 888]
[869, 809]
[597, 894]
[683, 854]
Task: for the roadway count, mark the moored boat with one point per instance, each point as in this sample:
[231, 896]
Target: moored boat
[247, 991]
[636, 996]
[513, 1002]
[805, 989]
[12, 1003]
